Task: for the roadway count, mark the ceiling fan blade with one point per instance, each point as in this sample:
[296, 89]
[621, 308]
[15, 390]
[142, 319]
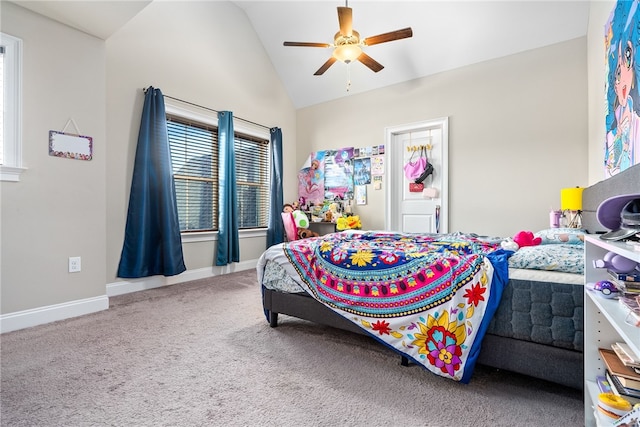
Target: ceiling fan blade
[345, 20]
[374, 65]
[325, 66]
[388, 37]
[306, 44]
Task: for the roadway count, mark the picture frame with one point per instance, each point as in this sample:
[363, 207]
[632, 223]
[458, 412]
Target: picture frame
[70, 146]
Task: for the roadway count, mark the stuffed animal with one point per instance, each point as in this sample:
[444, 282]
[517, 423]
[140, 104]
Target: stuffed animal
[301, 220]
[303, 233]
[509, 245]
[526, 238]
[616, 263]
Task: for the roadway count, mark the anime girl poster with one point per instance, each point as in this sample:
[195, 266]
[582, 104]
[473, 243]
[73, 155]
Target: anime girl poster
[311, 179]
[622, 43]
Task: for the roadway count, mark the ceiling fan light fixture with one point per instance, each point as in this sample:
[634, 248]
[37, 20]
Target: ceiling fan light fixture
[348, 45]
[347, 52]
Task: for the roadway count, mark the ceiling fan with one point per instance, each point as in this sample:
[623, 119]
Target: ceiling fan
[348, 45]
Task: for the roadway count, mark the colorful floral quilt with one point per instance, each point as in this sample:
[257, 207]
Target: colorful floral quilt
[429, 297]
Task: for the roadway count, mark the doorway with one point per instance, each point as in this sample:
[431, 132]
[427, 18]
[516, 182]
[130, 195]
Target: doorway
[410, 209]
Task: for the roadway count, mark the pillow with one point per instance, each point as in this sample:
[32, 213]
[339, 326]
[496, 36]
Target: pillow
[566, 258]
[551, 236]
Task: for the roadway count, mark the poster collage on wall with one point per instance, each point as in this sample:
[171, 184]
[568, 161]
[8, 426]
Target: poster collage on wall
[341, 174]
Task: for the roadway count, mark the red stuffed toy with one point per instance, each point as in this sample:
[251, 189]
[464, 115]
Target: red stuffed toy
[525, 238]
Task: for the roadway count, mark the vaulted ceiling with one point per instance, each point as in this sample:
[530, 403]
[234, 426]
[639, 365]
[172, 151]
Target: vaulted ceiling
[446, 35]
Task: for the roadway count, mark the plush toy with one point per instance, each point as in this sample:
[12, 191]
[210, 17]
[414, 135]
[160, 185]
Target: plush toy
[526, 238]
[303, 233]
[616, 263]
[301, 220]
[332, 214]
[509, 245]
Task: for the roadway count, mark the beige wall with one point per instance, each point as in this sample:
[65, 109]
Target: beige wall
[57, 210]
[64, 207]
[517, 134]
[195, 60]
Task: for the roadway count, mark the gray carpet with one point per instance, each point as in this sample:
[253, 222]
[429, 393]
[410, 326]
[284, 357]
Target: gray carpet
[202, 354]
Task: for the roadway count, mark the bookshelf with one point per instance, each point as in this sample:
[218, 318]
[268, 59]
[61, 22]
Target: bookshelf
[604, 322]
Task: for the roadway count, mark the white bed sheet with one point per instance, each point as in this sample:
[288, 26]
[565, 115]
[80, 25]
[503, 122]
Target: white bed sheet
[546, 276]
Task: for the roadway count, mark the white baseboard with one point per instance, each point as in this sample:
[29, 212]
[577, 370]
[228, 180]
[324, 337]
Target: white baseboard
[52, 313]
[135, 285]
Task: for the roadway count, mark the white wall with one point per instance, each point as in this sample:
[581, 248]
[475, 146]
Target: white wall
[517, 134]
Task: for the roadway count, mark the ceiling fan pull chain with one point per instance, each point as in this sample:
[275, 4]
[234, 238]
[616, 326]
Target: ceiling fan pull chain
[348, 77]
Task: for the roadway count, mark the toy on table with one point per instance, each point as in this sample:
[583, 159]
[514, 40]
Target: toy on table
[333, 212]
[301, 220]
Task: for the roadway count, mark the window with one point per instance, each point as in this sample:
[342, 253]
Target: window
[193, 142]
[194, 159]
[10, 100]
[252, 175]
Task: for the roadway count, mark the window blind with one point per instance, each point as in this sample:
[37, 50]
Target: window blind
[194, 157]
[252, 174]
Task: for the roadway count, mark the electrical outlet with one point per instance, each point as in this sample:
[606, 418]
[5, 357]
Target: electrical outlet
[74, 264]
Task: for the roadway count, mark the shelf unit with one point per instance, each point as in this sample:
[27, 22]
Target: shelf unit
[604, 323]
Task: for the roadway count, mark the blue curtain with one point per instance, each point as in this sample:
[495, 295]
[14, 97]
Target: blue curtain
[275, 231]
[228, 242]
[152, 243]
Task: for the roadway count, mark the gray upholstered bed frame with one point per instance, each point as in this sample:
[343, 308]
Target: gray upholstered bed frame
[558, 365]
[627, 182]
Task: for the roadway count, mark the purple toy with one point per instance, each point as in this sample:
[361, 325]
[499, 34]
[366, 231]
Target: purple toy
[606, 289]
[615, 263]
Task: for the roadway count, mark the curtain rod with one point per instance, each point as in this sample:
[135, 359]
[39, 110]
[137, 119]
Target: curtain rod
[209, 109]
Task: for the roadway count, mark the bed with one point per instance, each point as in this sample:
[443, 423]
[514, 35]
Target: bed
[531, 324]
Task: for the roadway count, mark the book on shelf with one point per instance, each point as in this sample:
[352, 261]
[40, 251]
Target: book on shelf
[633, 396]
[631, 290]
[627, 289]
[603, 385]
[626, 355]
[625, 375]
[625, 277]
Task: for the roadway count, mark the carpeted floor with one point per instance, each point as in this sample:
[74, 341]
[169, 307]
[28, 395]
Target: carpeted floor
[202, 354]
